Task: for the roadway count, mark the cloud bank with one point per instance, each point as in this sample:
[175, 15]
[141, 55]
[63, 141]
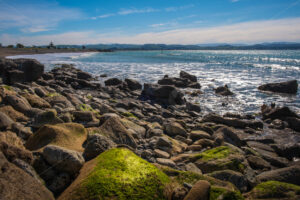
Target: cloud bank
[247, 32]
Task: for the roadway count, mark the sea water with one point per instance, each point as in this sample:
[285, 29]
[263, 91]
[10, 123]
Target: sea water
[242, 70]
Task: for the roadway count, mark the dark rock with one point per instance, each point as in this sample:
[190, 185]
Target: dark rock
[27, 168]
[188, 76]
[133, 84]
[277, 113]
[17, 184]
[230, 135]
[258, 163]
[166, 162]
[5, 121]
[113, 82]
[223, 90]
[63, 160]
[12, 152]
[59, 183]
[234, 177]
[287, 174]
[96, 144]
[18, 103]
[84, 75]
[164, 94]
[289, 87]
[174, 128]
[193, 107]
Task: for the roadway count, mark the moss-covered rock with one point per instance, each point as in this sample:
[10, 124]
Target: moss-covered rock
[275, 190]
[117, 174]
[13, 114]
[219, 188]
[36, 101]
[68, 135]
[220, 158]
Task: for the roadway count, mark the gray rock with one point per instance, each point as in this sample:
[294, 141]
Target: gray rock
[18, 103]
[188, 76]
[163, 143]
[287, 174]
[5, 121]
[193, 107]
[161, 154]
[133, 84]
[174, 128]
[96, 144]
[191, 167]
[290, 87]
[62, 159]
[27, 168]
[59, 183]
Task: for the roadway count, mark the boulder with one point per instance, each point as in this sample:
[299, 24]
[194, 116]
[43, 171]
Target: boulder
[17, 184]
[193, 107]
[230, 135]
[220, 158]
[5, 121]
[63, 160]
[161, 154]
[198, 134]
[11, 139]
[188, 76]
[96, 144]
[258, 163]
[223, 90]
[59, 183]
[233, 177]
[19, 103]
[274, 190]
[67, 135]
[174, 128]
[289, 87]
[200, 190]
[191, 167]
[32, 69]
[278, 113]
[13, 152]
[36, 101]
[164, 94]
[47, 117]
[166, 162]
[83, 116]
[117, 174]
[13, 114]
[287, 174]
[117, 132]
[84, 75]
[113, 82]
[133, 84]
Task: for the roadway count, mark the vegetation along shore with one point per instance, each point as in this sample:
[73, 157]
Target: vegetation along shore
[66, 136]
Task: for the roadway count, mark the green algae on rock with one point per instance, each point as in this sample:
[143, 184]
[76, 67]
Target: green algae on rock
[219, 158]
[118, 174]
[217, 193]
[275, 190]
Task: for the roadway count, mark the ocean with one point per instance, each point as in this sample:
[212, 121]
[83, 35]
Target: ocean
[242, 70]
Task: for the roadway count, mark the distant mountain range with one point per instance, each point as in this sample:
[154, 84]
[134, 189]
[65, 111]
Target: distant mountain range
[213, 46]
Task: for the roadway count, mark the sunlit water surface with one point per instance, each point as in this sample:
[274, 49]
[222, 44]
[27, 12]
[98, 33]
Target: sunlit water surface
[242, 71]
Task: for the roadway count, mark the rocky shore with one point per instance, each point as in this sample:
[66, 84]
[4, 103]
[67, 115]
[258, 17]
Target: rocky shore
[66, 136]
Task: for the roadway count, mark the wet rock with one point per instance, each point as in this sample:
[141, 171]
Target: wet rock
[200, 190]
[289, 87]
[133, 84]
[96, 144]
[287, 174]
[164, 94]
[113, 82]
[277, 113]
[84, 75]
[193, 107]
[188, 76]
[17, 184]
[63, 159]
[223, 90]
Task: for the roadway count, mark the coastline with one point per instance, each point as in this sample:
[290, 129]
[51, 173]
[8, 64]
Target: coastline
[4, 52]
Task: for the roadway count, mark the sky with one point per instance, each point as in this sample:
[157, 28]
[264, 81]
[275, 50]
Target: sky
[37, 22]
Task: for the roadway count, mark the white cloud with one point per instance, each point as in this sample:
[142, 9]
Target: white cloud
[174, 9]
[247, 32]
[32, 18]
[103, 16]
[134, 11]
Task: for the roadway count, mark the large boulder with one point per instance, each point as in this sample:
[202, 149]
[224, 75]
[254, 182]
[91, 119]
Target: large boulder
[188, 76]
[117, 174]
[68, 135]
[96, 144]
[5, 121]
[174, 128]
[117, 132]
[287, 174]
[200, 190]
[133, 84]
[112, 82]
[17, 184]
[23, 70]
[223, 90]
[19, 103]
[164, 94]
[220, 158]
[274, 190]
[290, 87]
[63, 160]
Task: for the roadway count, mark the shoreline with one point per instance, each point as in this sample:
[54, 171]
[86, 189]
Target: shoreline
[5, 52]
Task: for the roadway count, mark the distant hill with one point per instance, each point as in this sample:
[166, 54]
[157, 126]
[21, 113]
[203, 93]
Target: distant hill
[223, 46]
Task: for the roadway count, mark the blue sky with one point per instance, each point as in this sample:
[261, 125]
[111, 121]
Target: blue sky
[36, 22]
